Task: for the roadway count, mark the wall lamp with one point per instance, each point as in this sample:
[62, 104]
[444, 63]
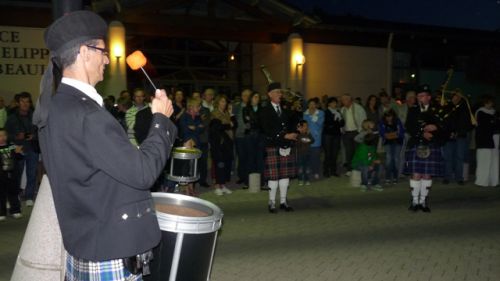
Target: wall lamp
[299, 59]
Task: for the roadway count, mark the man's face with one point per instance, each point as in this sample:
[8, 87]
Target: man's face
[346, 101]
[208, 96]
[139, 97]
[245, 96]
[96, 62]
[275, 96]
[424, 98]
[179, 96]
[455, 99]
[24, 104]
[410, 100]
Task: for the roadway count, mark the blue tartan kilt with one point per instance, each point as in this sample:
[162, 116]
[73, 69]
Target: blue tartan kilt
[432, 165]
[84, 270]
[277, 166]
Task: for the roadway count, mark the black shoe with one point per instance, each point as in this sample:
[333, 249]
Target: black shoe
[413, 208]
[446, 181]
[244, 186]
[425, 209]
[204, 184]
[264, 188]
[272, 209]
[240, 182]
[336, 175]
[326, 174]
[284, 206]
[460, 182]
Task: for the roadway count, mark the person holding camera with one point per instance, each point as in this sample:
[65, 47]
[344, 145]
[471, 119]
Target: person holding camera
[20, 129]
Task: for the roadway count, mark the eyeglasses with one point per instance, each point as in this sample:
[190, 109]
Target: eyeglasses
[104, 51]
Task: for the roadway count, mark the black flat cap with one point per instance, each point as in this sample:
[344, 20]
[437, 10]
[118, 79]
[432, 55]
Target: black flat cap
[274, 86]
[73, 29]
[424, 89]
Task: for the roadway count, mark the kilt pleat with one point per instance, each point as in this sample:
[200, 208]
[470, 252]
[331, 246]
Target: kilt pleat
[277, 166]
[83, 270]
[432, 165]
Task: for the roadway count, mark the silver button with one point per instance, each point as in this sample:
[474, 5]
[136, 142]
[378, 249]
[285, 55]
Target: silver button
[139, 215]
[84, 98]
[157, 126]
[148, 210]
[124, 216]
[168, 133]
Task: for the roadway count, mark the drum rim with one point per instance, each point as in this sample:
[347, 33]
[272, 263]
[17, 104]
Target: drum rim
[217, 213]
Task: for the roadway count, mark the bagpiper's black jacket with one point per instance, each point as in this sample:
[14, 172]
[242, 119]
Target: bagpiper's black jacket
[99, 180]
[418, 119]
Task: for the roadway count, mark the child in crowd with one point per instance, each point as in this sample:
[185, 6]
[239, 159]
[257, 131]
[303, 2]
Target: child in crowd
[304, 141]
[367, 127]
[392, 134]
[8, 189]
[365, 160]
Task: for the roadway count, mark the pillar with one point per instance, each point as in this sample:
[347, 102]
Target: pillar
[116, 74]
[295, 63]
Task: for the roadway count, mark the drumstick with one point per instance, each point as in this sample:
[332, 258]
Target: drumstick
[137, 60]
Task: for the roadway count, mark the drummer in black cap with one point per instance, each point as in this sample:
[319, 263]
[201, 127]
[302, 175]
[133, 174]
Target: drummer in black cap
[423, 155]
[280, 135]
[100, 181]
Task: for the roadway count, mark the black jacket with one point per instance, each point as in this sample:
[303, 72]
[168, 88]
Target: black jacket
[142, 123]
[456, 121]
[100, 181]
[417, 120]
[331, 127]
[274, 127]
[487, 126]
[221, 144]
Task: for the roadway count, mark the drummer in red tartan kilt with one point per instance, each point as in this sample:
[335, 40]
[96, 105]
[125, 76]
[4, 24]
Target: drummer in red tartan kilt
[280, 134]
[423, 156]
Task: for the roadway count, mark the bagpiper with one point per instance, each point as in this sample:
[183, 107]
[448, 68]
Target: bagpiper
[423, 155]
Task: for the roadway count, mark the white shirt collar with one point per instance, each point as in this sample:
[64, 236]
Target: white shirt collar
[85, 88]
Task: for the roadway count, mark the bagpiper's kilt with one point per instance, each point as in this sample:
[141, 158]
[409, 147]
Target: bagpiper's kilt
[432, 165]
[277, 166]
[83, 270]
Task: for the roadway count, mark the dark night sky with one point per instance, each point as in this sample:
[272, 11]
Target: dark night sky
[473, 14]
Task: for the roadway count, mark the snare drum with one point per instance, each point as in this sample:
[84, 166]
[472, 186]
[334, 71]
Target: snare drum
[189, 228]
[184, 165]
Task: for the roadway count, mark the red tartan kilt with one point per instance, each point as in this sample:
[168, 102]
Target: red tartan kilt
[277, 166]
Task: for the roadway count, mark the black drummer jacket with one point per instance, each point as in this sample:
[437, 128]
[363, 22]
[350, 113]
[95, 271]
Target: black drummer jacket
[274, 127]
[100, 181]
[417, 120]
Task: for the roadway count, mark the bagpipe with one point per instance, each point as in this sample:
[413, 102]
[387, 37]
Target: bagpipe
[444, 111]
[289, 95]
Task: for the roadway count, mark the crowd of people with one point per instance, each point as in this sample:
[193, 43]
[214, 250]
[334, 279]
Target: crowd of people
[231, 132]
[375, 139]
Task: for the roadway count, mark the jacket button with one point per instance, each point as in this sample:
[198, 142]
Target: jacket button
[124, 216]
[148, 210]
[139, 215]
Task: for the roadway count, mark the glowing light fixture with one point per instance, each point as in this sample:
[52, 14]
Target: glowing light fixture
[299, 59]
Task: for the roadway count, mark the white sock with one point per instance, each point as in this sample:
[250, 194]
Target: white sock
[415, 189]
[283, 184]
[424, 190]
[273, 187]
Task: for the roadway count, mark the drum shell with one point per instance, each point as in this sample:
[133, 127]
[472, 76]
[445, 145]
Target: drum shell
[195, 235]
[184, 165]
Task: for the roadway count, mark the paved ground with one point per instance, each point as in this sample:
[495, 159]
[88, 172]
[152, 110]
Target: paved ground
[339, 233]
